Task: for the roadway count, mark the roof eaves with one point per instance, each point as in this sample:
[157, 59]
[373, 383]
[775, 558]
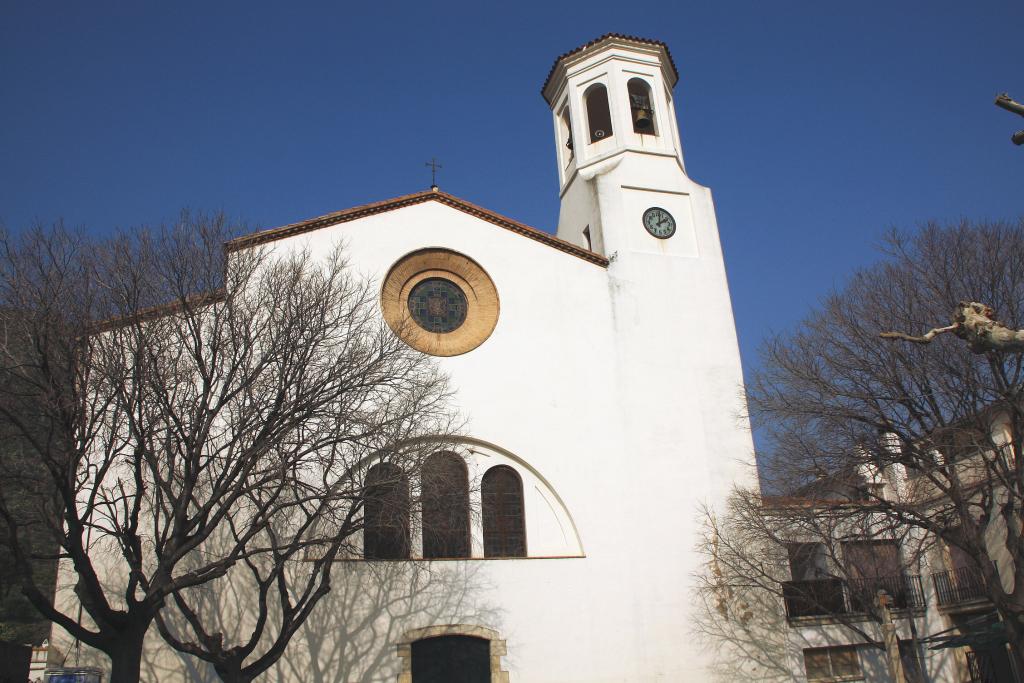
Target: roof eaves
[454, 202]
[159, 311]
[607, 36]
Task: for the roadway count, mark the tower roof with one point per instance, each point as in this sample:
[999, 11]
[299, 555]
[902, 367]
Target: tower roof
[610, 38]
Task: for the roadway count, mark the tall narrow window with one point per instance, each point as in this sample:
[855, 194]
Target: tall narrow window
[640, 106]
[386, 513]
[599, 116]
[504, 524]
[445, 506]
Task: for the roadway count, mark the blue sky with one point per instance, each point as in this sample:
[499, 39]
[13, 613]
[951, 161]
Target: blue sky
[817, 124]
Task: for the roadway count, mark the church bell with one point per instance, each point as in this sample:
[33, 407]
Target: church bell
[642, 119]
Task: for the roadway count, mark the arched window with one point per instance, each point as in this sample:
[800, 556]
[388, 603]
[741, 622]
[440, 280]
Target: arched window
[599, 116]
[445, 506]
[504, 523]
[451, 659]
[640, 106]
[386, 513]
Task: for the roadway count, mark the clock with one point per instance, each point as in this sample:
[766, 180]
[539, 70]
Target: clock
[659, 223]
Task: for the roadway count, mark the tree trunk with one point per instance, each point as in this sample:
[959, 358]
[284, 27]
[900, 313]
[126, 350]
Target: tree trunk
[126, 657]
[233, 675]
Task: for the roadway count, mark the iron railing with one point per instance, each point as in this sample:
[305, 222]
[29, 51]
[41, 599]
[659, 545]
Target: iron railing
[990, 666]
[825, 597]
[906, 591]
[958, 586]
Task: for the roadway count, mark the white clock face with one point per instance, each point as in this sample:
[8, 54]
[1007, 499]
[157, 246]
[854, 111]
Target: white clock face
[659, 223]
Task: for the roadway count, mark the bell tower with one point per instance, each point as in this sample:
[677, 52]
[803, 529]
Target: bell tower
[615, 127]
[625, 194]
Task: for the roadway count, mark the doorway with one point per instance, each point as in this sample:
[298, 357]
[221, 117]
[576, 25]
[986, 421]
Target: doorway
[451, 659]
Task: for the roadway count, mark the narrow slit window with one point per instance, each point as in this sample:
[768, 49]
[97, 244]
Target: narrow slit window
[566, 130]
[599, 115]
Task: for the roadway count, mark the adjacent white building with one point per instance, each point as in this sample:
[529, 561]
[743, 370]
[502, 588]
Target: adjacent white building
[600, 376]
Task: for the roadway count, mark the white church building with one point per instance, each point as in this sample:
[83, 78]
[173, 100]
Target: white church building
[600, 377]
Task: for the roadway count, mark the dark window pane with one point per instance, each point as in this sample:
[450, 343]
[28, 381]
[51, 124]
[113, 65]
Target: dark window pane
[960, 559]
[386, 514]
[599, 116]
[451, 659]
[445, 506]
[816, 664]
[869, 559]
[844, 661]
[806, 561]
[504, 523]
[910, 656]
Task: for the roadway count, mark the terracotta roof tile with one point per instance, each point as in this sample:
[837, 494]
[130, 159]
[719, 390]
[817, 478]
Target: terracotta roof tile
[409, 200]
[595, 41]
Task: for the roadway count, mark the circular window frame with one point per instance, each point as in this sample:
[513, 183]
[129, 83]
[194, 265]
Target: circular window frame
[482, 304]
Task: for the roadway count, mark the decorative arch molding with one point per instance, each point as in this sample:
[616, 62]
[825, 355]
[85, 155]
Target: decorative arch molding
[498, 648]
[480, 455]
[548, 492]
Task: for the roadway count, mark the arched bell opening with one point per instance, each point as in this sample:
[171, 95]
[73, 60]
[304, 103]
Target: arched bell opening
[641, 107]
[565, 132]
[599, 115]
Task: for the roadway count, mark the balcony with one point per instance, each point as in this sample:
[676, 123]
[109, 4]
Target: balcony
[833, 597]
[959, 586]
[906, 592]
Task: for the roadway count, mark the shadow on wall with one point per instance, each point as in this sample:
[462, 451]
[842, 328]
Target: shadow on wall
[355, 637]
[352, 634]
[745, 628]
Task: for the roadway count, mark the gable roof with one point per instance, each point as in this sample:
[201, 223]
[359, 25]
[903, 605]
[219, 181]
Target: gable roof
[432, 195]
[610, 37]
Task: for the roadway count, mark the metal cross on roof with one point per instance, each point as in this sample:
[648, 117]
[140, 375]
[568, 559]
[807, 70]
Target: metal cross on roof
[433, 172]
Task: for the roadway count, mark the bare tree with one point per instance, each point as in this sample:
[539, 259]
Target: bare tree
[802, 558]
[920, 443]
[218, 424]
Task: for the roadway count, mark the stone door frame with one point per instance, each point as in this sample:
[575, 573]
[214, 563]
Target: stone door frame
[498, 648]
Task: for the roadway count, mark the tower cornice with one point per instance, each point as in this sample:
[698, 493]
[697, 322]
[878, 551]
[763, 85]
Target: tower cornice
[564, 61]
